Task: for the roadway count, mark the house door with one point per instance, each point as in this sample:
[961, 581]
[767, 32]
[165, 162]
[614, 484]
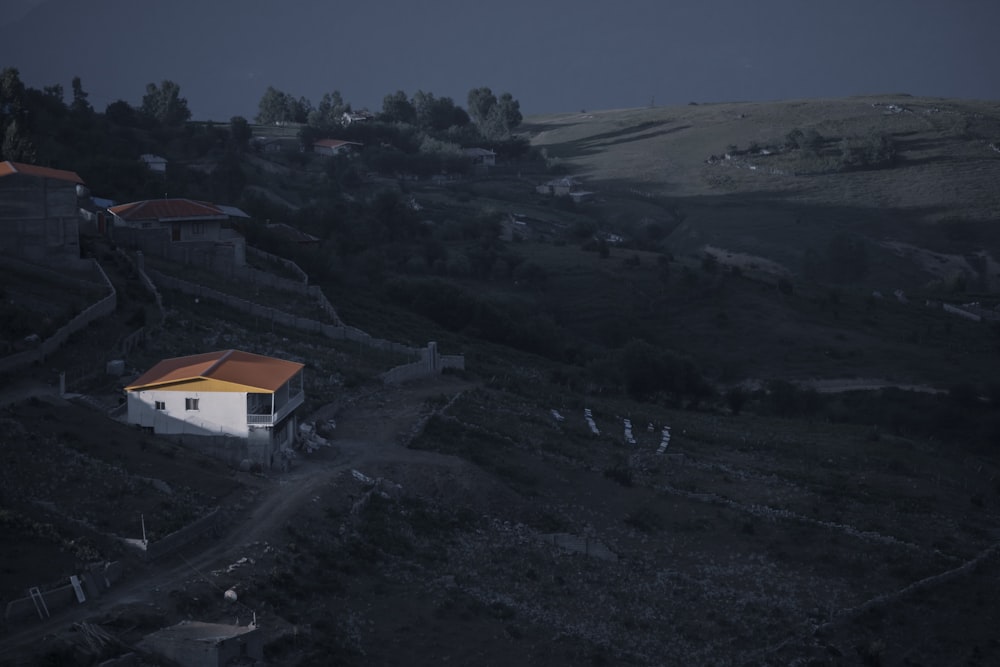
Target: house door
[175, 233]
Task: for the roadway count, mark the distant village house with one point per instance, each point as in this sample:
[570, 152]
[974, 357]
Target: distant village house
[154, 225]
[154, 163]
[357, 117]
[565, 187]
[481, 158]
[39, 213]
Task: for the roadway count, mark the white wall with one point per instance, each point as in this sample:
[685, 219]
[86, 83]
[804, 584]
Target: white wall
[218, 412]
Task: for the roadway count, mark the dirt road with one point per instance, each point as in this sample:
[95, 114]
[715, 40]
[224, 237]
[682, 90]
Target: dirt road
[369, 432]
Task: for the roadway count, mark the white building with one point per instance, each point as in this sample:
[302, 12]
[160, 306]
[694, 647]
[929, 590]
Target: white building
[154, 163]
[230, 393]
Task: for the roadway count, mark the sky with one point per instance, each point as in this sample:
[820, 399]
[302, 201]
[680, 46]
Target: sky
[551, 55]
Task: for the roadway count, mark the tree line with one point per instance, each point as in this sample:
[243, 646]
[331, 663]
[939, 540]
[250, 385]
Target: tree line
[493, 117]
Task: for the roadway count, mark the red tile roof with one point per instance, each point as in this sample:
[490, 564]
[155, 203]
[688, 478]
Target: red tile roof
[265, 374]
[168, 209]
[7, 168]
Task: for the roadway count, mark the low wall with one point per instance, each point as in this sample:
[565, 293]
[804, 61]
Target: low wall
[269, 314]
[430, 363]
[140, 267]
[47, 347]
[287, 263]
[180, 538]
[94, 581]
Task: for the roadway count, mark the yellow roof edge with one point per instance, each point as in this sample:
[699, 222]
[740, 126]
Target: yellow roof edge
[198, 383]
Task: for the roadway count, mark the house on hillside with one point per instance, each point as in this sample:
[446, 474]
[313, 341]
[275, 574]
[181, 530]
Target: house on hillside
[39, 218]
[362, 116]
[559, 187]
[334, 146]
[237, 405]
[154, 163]
[565, 187]
[481, 158]
[183, 230]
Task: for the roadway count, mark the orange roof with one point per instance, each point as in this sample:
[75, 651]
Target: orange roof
[168, 209]
[7, 168]
[254, 371]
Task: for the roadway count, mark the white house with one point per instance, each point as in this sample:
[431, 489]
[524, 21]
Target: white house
[362, 116]
[154, 163]
[230, 393]
[480, 157]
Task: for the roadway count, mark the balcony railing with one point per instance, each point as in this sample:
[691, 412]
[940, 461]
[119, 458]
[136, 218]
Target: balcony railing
[271, 419]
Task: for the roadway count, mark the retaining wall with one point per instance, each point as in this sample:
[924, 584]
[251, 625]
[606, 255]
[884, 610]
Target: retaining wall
[47, 347]
[428, 362]
[140, 267]
[269, 314]
[179, 538]
[94, 581]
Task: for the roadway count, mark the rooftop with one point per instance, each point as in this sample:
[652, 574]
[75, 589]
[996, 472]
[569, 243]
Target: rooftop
[8, 168]
[168, 210]
[254, 371]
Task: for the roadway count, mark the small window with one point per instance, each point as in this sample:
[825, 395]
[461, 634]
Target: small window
[198, 228]
[160, 405]
[190, 403]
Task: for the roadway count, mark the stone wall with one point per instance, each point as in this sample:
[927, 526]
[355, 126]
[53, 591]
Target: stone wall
[106, 306]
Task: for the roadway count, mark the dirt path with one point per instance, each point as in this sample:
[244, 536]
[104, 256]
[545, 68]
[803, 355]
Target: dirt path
[369, 432]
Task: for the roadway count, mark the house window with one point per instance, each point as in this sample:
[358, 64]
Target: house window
[198, 228]
[190, 403]
[160, 405]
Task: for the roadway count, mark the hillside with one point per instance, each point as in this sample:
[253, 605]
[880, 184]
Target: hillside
[771, 200]
[696, 425]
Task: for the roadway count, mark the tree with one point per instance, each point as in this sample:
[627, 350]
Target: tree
[437, 113]
[330, 111]
[273, 107]
[240, 132]
[397, 108]
[506, 115]
[80, 105]
[12, 93]
[16, 146]
[54, 91]
[308, 135]
[299, 110]
[121, 113]
[165, 104]
[494, 117]
[278, 107]
[480, 103]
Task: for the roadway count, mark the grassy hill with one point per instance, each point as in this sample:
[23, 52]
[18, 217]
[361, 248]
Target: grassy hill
[776, 201]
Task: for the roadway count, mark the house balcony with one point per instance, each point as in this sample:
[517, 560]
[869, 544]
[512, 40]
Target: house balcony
[270, 419]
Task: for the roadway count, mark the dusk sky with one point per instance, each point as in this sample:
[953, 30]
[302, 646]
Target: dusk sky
[552, 55]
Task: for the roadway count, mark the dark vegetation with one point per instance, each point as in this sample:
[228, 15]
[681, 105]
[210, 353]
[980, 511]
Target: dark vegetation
[601, 324]
[614, 304]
